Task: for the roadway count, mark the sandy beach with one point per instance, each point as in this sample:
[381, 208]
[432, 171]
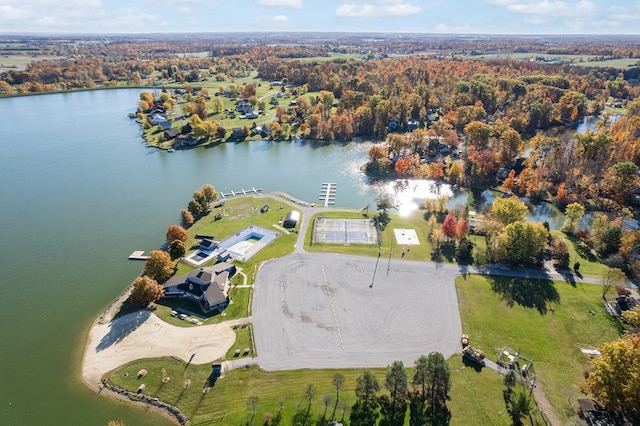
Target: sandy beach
[113, 342]
[143, 335]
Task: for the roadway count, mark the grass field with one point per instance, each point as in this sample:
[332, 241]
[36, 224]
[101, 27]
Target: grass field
[573, 318]
[578, 60]
[578, 251]
[621, 63]
[476, 398]
[243, 340]
[20, 62]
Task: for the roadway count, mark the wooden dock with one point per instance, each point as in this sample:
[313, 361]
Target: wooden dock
[328, 193]
[138, 255]
[241, 192]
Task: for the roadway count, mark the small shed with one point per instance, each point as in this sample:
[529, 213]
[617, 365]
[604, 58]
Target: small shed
[291, 219]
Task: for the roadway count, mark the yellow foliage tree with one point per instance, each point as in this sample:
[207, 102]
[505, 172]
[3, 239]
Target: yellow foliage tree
[615, 376]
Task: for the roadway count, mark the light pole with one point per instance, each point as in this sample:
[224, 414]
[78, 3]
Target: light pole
[375, 269]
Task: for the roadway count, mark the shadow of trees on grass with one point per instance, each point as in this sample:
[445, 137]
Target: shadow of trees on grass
[582, 249]
[530, 293]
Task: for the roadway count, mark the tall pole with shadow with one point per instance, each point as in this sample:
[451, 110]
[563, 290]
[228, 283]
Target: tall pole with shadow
[375, 269]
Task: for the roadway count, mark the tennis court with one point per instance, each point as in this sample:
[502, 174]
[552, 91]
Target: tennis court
[344, 231]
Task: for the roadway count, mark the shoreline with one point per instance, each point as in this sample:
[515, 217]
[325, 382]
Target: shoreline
[113, 342]
[100, 389]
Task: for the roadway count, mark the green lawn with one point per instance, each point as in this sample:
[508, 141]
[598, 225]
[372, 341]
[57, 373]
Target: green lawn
[227, 399]
[243, 340]
[551, 332]
[578, 251]
[476, 398]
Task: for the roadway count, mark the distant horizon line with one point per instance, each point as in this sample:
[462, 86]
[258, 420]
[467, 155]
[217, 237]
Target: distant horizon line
[395, 33]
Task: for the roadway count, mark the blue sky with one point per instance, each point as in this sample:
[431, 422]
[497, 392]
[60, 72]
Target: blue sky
[415, 16]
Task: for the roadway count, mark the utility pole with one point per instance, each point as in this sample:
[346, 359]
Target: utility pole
[375, 269]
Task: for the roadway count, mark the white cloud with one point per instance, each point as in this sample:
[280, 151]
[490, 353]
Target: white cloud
[549, 9]
[70, 4]
[622, 14]
[296, 4]
[382, 8]
[272, 21]
[9, 12]
[457, 29]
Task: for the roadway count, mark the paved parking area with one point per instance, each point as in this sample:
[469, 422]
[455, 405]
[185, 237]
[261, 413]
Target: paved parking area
[313, 310]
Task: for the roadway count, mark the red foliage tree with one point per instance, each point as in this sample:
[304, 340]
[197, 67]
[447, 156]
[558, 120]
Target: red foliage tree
[450, 226]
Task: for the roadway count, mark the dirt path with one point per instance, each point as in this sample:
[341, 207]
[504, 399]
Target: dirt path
[545, 406]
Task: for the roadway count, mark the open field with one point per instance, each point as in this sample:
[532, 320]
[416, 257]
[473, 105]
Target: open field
[547, 321]
[578, 60]
[19, 62]
[621, 63]
[476, 398]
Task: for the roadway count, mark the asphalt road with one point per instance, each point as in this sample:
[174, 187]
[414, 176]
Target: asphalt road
[321, 311]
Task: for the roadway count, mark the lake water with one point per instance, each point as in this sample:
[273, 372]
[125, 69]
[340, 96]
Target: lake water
[79, 192]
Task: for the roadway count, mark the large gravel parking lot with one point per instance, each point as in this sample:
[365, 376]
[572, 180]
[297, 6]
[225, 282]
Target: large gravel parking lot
[315, 310]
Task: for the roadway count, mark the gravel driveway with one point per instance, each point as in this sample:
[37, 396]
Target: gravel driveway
[320, 311]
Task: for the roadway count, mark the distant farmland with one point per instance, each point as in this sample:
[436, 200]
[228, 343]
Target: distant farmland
[579, 60]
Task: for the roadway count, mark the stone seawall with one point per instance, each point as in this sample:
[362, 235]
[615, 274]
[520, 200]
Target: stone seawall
[140, 397]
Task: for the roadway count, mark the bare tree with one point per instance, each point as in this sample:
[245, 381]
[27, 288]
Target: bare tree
[326, 399]
[252, 406]
[612, 277]
[310, 392]
[338, 382]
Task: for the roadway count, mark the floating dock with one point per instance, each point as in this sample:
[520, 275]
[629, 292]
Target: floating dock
[241, 192]
[328, 194]
[138, 255]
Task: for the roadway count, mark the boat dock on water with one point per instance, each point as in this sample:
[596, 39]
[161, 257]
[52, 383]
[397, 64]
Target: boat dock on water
[241, 192]
[328, 194]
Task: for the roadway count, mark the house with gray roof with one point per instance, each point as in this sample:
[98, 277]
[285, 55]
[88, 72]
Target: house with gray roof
[209, 286]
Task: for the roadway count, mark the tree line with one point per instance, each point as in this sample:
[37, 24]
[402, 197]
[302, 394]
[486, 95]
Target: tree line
[423, 398]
